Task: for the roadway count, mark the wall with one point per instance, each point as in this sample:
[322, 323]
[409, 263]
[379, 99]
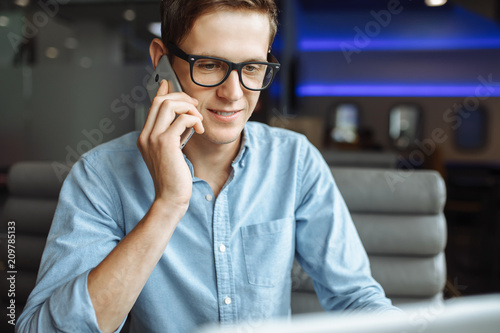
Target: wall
[56, 108]
[375, 114]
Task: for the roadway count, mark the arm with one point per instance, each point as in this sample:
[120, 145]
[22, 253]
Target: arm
[328, 246]
[87, 233]
[115, 284]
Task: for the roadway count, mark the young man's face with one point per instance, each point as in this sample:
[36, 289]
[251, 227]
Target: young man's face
[237, 36]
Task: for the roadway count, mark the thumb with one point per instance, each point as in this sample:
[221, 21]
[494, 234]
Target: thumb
[164, 88]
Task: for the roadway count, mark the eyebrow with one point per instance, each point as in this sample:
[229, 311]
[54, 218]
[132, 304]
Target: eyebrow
[248, 60]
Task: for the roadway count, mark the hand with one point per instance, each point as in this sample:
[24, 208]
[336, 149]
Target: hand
[159, 144]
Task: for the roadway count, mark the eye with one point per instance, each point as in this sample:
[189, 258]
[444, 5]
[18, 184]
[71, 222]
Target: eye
[253, 69]
[208, 65]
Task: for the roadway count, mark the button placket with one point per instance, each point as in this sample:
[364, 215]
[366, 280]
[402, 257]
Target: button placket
[223, 264]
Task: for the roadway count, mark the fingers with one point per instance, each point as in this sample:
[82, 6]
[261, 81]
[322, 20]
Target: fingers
[165, 107]
[167, 112]
[186, 121]
[153, 110]
[160, 105]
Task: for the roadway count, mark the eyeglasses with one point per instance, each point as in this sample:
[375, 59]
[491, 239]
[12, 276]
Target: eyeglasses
[211, 71]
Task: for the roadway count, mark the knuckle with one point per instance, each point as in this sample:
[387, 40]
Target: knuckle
[164, 141]
[157, 100]
[165, 103]
[141, 142]
[182, 117]
[150, 140]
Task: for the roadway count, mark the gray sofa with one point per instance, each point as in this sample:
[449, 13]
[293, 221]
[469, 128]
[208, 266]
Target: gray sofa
[399, 218]
[33, 192]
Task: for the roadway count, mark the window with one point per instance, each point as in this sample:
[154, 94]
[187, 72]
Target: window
[404, 125]
[345, 119]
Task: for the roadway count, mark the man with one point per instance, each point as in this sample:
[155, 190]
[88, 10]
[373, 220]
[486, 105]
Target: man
[209, 233]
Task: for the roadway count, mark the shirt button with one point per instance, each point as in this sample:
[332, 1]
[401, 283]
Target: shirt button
[227, 300]
[208, 197]
[222, 248]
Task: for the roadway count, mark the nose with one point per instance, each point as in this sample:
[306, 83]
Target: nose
[231, 89]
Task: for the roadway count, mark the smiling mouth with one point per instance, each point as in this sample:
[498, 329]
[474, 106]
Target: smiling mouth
[223, 113]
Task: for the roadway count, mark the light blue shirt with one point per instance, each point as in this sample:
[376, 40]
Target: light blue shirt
[230, 257]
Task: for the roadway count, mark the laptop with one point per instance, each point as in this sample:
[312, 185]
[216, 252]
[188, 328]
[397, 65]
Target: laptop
[471, 314]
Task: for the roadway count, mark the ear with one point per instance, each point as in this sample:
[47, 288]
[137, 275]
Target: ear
[156, 50]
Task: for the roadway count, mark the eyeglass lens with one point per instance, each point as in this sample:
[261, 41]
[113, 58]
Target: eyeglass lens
[211, 72]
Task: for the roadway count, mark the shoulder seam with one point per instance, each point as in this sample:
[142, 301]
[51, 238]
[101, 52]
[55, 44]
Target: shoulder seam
[110, 188]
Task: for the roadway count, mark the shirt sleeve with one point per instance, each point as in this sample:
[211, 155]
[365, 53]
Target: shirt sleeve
[84, 230]
[327, 244]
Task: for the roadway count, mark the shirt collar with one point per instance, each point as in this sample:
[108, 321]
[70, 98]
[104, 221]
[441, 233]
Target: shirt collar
[244, 146]
[240, 157]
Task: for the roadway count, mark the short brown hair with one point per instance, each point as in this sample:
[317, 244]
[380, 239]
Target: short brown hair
[178, 16]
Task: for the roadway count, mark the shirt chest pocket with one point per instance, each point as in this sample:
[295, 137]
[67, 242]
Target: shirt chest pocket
[268, 250]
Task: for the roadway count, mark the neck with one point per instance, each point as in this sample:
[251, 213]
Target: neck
[211, 161]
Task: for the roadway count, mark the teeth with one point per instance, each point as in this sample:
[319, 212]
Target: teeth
[224, 113]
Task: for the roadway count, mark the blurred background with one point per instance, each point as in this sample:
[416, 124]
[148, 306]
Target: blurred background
[394, 84]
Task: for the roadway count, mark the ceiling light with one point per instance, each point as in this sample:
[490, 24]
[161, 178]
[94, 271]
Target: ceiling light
[71, 43]
[435, 3]
[4, 21]
[22, 3]
[129, 15]
[51, 52]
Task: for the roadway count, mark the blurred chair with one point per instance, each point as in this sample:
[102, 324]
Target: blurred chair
[360, 159]
[399, 218]
[33, 192]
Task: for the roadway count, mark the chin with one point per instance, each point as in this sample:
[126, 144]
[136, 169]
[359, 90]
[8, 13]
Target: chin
[223, 139]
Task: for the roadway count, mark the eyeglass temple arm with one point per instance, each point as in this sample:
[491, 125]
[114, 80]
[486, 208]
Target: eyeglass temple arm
[177, 51]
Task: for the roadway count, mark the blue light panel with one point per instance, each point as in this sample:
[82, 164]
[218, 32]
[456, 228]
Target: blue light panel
[411, 30]
[396, 90]
[454, 29]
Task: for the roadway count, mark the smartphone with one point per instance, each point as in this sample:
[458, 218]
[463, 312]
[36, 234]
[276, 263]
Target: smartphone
[165, 71]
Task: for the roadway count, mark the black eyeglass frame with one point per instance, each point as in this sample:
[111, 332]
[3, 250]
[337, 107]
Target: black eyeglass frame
[191, 59]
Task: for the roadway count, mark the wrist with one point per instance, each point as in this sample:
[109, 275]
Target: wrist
[168, 210]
